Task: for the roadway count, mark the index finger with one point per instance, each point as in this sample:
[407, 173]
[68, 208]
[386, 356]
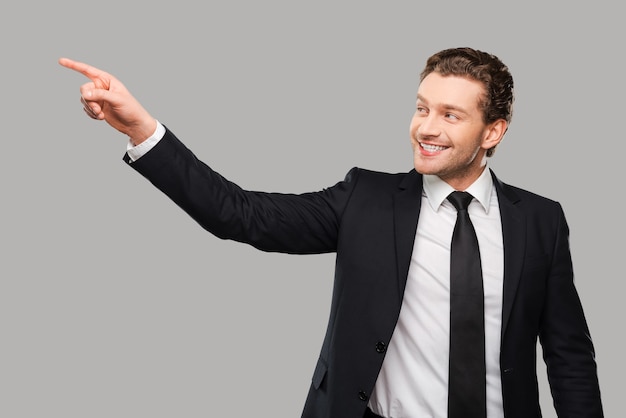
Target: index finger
[83, 68]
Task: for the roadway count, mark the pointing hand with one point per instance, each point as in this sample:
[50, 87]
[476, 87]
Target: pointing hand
[106, 98]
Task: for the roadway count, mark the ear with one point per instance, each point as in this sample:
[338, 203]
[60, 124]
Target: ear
[494, 133]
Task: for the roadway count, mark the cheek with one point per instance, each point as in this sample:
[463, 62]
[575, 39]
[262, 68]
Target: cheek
[413, 123]
[413, 129]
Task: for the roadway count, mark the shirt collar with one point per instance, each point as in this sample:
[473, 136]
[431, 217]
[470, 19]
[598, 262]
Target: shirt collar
[437, 190]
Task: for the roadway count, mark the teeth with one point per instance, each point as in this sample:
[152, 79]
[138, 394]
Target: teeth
[433, 148]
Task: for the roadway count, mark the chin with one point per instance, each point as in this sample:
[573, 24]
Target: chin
[424, 168]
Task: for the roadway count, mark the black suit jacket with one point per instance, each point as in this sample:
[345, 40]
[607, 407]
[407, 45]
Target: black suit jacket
[369, 220]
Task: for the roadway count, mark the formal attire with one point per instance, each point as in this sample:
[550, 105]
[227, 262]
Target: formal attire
[413, 381]
[370, 220]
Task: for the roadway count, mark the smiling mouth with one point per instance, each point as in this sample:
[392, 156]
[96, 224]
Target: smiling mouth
[432, 148]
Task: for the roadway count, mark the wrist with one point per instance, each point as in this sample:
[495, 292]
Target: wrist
[142, 131]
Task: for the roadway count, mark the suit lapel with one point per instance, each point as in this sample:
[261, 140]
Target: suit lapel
[407, 203]
[514, 241]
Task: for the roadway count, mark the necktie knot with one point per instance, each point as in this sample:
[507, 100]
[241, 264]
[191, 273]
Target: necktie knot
[460, 200]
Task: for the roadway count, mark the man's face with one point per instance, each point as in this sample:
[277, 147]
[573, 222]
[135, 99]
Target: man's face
[448, 135]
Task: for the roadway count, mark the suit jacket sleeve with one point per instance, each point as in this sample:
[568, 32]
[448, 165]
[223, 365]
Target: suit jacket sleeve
[567, 347]
[289, 223]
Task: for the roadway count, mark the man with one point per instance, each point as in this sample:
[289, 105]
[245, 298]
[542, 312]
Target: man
[387, 350]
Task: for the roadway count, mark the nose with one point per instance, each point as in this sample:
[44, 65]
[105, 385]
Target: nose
[427, 126]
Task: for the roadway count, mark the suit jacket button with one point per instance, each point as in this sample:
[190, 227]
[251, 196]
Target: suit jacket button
[381, 347]
[362, 396]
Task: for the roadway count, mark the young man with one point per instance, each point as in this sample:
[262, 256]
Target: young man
[389, 346]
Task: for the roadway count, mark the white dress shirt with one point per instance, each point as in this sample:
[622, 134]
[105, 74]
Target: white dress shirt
[413, 381]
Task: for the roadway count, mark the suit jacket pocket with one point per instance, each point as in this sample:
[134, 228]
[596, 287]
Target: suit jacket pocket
[319, 373]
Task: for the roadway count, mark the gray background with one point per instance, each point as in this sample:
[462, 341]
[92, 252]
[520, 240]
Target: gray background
[114, 303]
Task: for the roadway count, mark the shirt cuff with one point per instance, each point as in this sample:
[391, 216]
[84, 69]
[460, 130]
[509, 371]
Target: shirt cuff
[136, 152]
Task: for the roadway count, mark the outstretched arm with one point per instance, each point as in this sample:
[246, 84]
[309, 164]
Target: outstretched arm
[106, 98]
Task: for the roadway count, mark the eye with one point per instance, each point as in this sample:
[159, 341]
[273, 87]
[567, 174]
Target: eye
[421, 109]
[451, 116]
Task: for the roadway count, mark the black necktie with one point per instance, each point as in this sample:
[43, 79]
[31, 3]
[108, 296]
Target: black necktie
[467, 396]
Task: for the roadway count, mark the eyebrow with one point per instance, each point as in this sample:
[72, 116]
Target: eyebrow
[445, 105]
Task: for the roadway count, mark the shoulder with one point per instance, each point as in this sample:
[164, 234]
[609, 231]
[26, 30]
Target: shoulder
[374, 178]
[518, 195]
[532, 204]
